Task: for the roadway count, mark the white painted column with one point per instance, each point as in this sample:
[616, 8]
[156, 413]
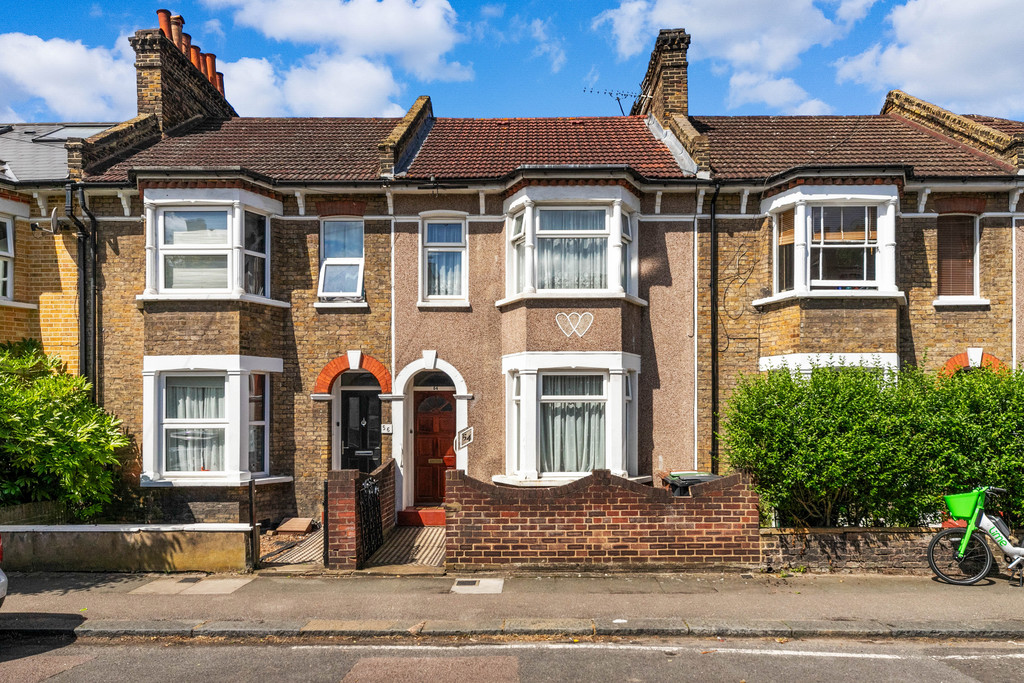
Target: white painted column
[530, 248]
[238, 254]
[615, 455]
[150, 427]
[615, 248]
[801, 281]
[236, 393]
[398, 442]
[529, 408]
[152, 266]
[885, 264]
[461, 422]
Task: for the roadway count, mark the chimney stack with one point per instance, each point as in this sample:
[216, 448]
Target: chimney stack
[663, 91]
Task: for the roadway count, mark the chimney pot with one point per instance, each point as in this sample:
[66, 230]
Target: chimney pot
[195, 57]
[186, 44]
[211, 67]
[164, 16]
[177, 21]
[220, 83]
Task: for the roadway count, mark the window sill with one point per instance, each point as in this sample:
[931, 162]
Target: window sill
[222, 481]
[251, 298]
[899, 296]
[582, 294]
[951, 301]
[18, 304]
[458, 305]
[358, 305]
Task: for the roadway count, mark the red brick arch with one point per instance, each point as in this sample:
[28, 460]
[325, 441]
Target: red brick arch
[960, 361]
[331, 371]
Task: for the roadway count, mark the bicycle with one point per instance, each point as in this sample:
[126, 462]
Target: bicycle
[960, 556]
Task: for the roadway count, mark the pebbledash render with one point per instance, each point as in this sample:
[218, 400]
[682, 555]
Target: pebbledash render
[526, 300]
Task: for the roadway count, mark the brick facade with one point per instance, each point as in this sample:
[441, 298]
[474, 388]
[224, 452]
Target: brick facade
[343, 538]
[885, 551]
[600, 522]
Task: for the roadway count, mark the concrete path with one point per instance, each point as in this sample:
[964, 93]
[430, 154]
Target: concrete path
[272, 604]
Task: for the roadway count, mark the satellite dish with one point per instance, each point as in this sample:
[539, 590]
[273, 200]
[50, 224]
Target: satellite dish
[54, 223]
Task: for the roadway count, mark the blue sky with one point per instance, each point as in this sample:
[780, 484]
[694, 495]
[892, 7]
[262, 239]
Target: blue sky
[525, 58]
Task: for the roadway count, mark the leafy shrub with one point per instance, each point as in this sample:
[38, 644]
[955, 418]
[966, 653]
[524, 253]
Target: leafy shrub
[858, 446]
[55, 442]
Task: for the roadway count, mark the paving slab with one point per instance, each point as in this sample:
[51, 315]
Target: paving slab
[242, 629]
[569, 627]
[216, 586]
[162, 587]
[469, 627]
[360, 627]
[109, 628]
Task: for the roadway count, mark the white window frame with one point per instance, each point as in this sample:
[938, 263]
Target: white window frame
[236, 371]
[360, 292]
[264, 422]
[265, 254]
[195, 250]
[7, 261]
[235, 202]
[167, 423]
[822, 246]
[527, 205]
[426, 248]
[801, 199]
[601, 398]
[526, 370]
[962, 300]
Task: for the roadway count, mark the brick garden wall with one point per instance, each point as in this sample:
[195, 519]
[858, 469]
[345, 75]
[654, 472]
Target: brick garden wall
[886, 551]
[600, 522]
[342, 528]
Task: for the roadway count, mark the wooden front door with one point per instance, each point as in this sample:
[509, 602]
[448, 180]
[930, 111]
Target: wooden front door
[435, 447]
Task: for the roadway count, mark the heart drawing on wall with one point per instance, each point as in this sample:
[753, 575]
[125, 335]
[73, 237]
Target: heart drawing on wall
[578, 323]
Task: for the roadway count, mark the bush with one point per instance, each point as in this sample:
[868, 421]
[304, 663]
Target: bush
[858, 446]
[55, 442]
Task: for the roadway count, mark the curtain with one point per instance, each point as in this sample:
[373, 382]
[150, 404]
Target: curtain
[572, 219]
[572, 433]
[194, 448]
[572, 263]
[444, 273]
[444, 233]
[196, 271]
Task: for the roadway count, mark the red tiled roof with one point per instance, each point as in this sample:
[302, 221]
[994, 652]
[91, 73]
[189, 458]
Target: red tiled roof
[760, 146]
[493, 148]
[285, 149]
[1008, 126]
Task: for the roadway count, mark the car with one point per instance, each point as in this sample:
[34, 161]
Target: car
[3, 577]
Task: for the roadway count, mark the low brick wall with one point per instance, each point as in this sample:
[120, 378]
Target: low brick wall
[600, 522]
[41, 512]
[887, 551]
[127, 548]
[343, 532]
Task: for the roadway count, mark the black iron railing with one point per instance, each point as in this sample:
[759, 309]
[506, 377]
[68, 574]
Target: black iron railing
[368, 509]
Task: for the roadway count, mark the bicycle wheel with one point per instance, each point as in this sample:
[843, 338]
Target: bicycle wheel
[972, 568]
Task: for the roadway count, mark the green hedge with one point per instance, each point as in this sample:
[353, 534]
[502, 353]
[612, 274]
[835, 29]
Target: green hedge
[860, 446]
[55, 442]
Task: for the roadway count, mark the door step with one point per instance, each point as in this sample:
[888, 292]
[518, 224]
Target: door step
[421, 517]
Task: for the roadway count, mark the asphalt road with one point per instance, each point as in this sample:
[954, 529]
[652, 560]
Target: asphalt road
[560, 660]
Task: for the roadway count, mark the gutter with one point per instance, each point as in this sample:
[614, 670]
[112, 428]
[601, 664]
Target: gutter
[86, 284]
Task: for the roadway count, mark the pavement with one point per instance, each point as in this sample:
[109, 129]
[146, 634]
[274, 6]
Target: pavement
[309, 604]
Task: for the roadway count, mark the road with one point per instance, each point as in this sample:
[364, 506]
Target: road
[648, 659]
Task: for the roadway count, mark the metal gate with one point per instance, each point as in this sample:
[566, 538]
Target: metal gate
[368, 511]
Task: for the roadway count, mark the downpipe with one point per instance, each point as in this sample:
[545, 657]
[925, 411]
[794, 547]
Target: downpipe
[87, 327]
[713, 246]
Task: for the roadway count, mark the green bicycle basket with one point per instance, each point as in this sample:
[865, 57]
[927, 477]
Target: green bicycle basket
[961, 505]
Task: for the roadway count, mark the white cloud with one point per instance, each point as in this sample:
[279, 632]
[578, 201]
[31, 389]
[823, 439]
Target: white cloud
[547, 45]
[213, 27]
[966, 56]
[252, 87]
[75, 82]
[492, 11]
[853, 10]
[779, 93]
[416, 33]
[592, 77]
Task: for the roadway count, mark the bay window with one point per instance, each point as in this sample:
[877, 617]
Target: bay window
[6, 258]
[255, 270]
[341, 259]
[568, 414]
[444, 277]
[206, 419]
[586, 248]
[827, 241]
[195, 250]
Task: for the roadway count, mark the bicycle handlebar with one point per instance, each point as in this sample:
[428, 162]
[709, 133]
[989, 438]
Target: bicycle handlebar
[996, 491]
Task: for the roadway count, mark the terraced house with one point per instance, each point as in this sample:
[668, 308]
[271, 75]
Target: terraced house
[525, 300]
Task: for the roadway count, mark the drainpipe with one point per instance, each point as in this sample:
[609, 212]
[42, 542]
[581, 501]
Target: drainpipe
[86, 284]
[714, 331]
